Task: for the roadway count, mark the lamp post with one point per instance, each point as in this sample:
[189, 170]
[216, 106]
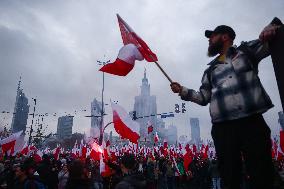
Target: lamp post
[31, 128]
[102, 111]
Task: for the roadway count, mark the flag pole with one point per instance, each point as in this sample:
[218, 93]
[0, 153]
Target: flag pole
[163, 71]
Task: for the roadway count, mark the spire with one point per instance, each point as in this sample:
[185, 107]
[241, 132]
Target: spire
[19, 84]
[145, 88]
[145, 80]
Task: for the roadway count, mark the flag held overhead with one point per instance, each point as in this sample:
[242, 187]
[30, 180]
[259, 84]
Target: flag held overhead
[125, 61]
[129, 36]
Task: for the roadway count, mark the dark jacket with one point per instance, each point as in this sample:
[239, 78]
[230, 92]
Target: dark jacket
[134, 181]
[79, 184]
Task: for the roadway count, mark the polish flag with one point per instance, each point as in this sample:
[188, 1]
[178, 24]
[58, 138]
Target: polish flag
[25, 150]
[134, 49]
[156, 138]
[96, 147]
[96, 151]
[150, 127]
[125, 61]
[56, 153]
[104, 157]
[130, 37]
[124, 125]
[8, 144]
[104, 168]
[84, 151]
[38, 156]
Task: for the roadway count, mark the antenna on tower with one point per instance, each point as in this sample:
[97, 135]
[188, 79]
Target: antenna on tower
[19, 84]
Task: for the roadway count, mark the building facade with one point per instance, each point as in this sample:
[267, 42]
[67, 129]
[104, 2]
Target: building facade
[21, 111]
[171, 134]
[145, 107]
[96, 112]
[64, 127]
[195, 130]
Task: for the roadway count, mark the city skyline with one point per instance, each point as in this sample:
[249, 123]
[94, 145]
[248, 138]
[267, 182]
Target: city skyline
[55, 47]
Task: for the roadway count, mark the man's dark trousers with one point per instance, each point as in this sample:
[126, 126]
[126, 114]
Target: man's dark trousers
[248, 139]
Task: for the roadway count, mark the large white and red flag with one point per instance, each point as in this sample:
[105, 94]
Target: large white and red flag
[125, 61]
[129, 36]
[124, 125]
[8, 144]
[134, 49]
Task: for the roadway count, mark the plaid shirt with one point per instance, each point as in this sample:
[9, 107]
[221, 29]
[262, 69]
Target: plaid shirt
[233, 87]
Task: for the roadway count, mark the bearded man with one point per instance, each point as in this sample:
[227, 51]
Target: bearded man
[237, 101]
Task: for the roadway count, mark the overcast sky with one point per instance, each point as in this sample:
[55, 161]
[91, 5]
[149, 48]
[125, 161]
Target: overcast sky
[55, 45]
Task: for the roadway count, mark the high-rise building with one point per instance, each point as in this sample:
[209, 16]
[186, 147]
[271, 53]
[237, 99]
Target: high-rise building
[281, 119]
[195, 130]
[145, 105]
[171, 134]
[64, 127]
[96, 112]
[21, 111]
[161, 129]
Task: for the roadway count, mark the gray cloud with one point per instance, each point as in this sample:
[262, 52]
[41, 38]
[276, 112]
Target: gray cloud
[54, 46]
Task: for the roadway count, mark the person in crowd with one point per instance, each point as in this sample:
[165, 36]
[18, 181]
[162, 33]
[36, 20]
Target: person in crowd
[63, 176]
[44, 170]
[150, 173]
[20, 177]
[130, 178]
[96, 176]
[170, 174]
[78, 178]
[162, 179]
[26, 177]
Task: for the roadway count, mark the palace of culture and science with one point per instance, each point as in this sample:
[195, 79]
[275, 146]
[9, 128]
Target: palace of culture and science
[145, 107]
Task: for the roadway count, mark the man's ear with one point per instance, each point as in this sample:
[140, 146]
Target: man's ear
[225, 37]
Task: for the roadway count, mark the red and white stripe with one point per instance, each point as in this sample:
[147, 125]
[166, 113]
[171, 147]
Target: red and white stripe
[125, 61]
[124, 125]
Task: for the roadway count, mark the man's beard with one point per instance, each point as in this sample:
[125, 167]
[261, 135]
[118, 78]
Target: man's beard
[215, 48]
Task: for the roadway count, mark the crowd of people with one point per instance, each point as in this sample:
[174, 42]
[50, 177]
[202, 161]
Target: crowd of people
[126, 171]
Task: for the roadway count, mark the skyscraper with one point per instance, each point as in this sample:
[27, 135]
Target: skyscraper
[195, 130]
[21, 111]
[145, 105]
[96, 112]
[171, 134]
[64, 127]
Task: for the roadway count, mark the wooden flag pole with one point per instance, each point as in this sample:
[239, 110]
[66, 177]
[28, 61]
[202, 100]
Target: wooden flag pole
[163, 71]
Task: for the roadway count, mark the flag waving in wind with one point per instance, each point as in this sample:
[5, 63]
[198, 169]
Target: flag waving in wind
[124, 125]
[134, 49]
[129, 36]
[125, 61]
